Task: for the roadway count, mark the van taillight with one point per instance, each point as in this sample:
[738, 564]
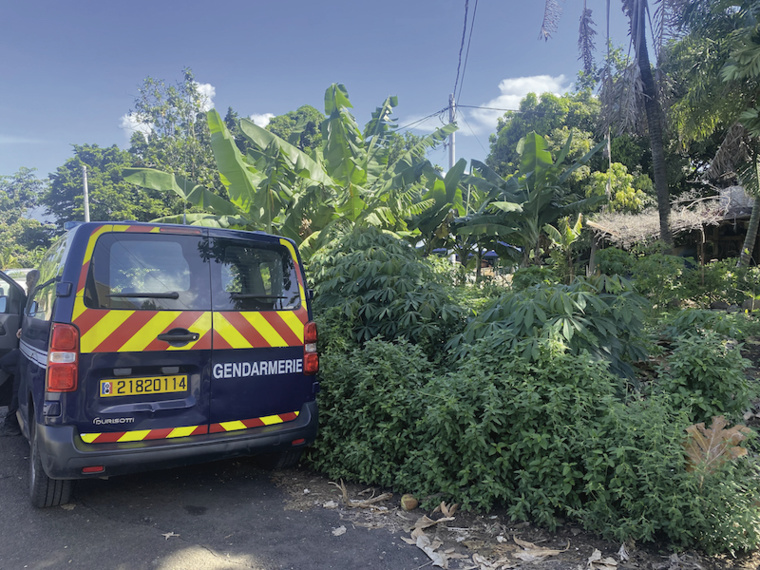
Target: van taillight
[63, 359]
[310, 355]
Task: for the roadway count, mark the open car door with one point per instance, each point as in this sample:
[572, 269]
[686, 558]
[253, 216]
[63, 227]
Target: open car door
[12, 300]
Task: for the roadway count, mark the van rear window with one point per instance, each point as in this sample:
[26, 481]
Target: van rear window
[148, 272]
[253, 276]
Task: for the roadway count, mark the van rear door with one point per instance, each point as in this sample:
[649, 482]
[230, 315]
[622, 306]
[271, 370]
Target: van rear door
[143, 312]
[259, 314]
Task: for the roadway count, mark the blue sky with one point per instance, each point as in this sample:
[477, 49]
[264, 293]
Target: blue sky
[70, 70]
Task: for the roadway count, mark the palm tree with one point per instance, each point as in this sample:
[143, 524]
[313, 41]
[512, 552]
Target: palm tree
[643, 81]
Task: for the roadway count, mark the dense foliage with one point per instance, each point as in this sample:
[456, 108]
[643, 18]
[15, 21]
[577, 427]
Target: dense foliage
[23, 238]
[529, 410]
[372, 285]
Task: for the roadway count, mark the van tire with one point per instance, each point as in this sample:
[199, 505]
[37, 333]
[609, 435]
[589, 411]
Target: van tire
[280, 459]
[44, 491]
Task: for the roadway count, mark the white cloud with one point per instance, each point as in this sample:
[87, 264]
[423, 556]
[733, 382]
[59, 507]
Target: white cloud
[207, 93]
[483, 121]
[261, 120]
[513, 90]
[131, 124]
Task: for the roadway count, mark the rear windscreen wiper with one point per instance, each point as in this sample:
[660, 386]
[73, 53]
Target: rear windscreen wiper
[255, 296]
[168, 295]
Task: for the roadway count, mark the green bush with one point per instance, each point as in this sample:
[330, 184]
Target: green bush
[738, 326]
[546, 438]
[724, 281]
[369, 285]
[503, 432]
[533, 275]
[704, 375]
[638, 486]
[364, 406]
[601, 315]
[614, 261]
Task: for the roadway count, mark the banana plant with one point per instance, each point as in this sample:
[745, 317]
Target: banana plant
[351, 179]
[563, 239]
[518, 207]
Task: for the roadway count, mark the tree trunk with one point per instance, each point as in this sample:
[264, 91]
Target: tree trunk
[754, 221]
[637, 14]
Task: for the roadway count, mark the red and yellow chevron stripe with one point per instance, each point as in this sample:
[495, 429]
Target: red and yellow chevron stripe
[253, 422]
[186, 431]
[143, 434]
[259, 329]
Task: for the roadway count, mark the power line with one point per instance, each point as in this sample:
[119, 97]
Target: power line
[467, 53]
[488, 108]
[423, 119]
[461, 46]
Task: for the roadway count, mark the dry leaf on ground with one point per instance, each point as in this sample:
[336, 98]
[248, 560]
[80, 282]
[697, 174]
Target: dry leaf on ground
[711, 447]
[366, 503]
[341, 530]
[533, 553]
[596, 562]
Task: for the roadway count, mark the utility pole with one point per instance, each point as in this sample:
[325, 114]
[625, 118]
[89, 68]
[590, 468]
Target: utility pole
[452, 116]
[86, 197]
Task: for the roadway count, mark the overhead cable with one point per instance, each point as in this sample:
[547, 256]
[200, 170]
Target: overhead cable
[467, 53]
[461, 46]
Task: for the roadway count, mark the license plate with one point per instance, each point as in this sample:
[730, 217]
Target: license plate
[139, 386]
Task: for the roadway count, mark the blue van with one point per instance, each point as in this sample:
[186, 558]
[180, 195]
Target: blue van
[148, 346]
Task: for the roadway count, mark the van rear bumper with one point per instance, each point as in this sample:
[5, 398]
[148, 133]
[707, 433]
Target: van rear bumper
[64, 455]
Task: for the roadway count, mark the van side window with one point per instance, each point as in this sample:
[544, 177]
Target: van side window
[41, 298]
[253, 277]
[148, 272]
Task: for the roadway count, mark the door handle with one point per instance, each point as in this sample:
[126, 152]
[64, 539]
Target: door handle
[178, 337]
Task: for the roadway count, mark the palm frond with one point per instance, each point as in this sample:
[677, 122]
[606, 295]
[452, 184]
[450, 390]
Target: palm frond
[552, 13]
[733, 153]
[586, 45]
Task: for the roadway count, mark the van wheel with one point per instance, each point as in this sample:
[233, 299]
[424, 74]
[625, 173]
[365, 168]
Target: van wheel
[44, 491]
[280, 459]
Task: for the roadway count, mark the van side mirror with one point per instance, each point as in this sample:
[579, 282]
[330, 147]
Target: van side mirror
[3, 304]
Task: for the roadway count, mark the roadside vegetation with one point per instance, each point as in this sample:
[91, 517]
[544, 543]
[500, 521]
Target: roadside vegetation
[488, 335]
[558, 402]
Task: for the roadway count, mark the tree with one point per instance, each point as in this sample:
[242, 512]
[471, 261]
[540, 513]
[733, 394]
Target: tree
[109, 196]
[348, 180]
[721, 49]
[23, 238]
[300, 127]
[639, 79]
[544, 115]
[626, 192]
[172, 134]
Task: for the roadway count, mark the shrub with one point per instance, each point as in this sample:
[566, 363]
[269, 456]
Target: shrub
[704, 375]
[738, 326]
[614, 261]
[638, 487]
[365, 410]
[600, 315]
[527, 277]
[503, 432]
[372, 285]
[724, 281]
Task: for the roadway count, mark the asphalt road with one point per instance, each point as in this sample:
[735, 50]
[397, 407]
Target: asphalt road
[219, 516]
